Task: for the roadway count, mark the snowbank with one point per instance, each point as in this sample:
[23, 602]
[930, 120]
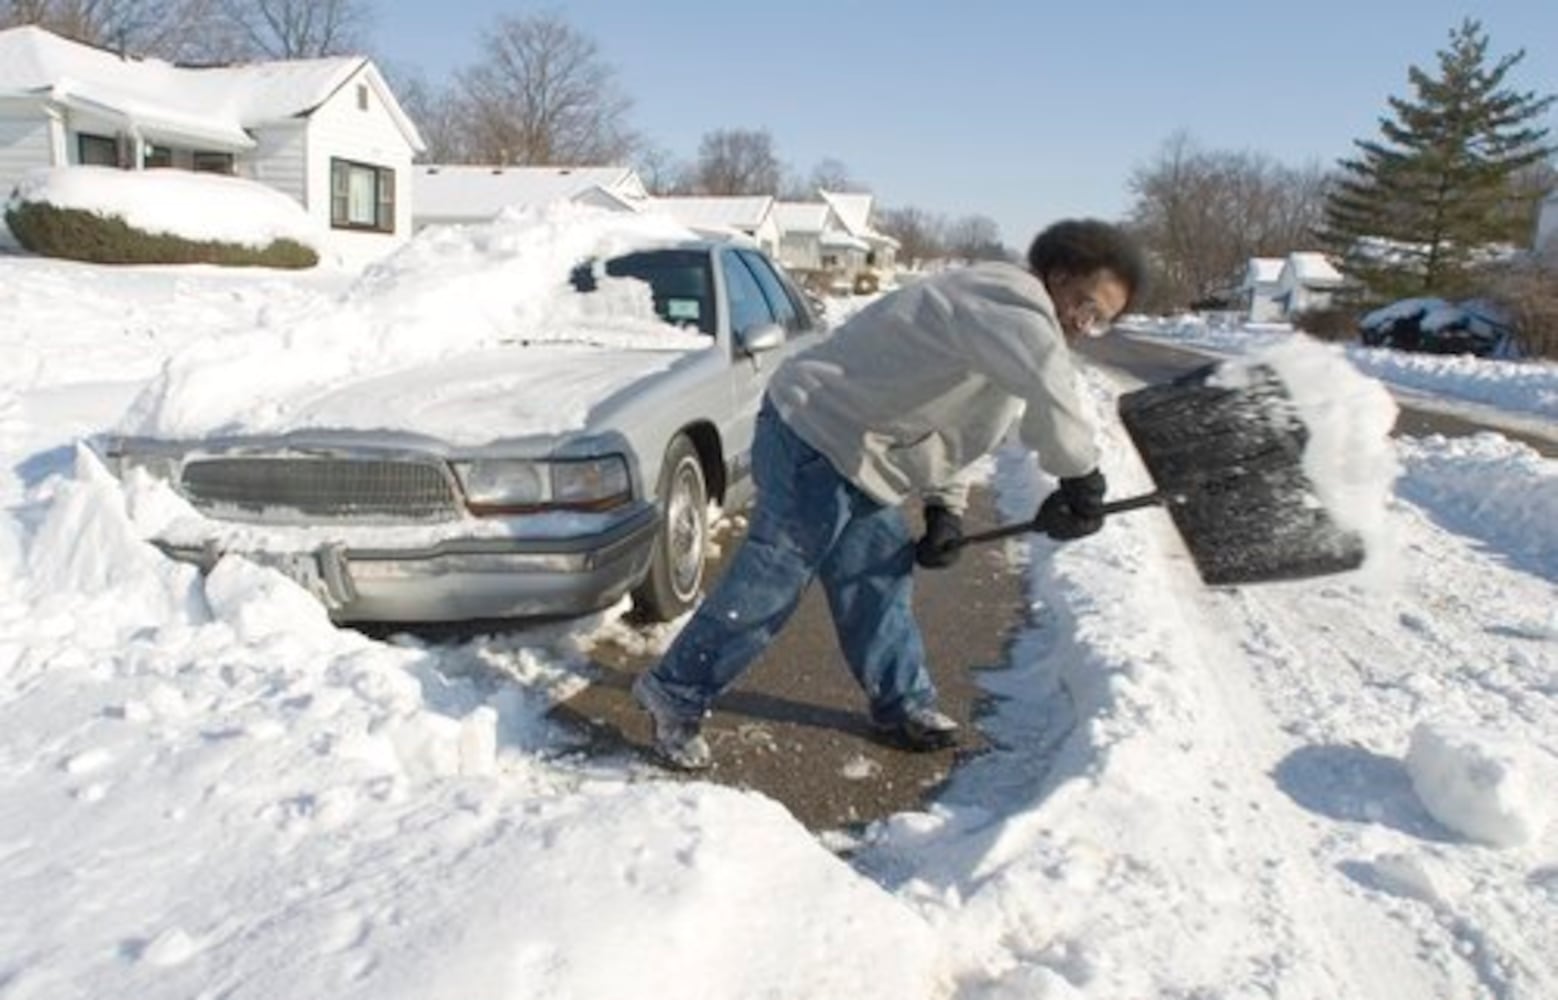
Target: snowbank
[451, 292]
[1526, 387]
[210, 790]
[1489, 488]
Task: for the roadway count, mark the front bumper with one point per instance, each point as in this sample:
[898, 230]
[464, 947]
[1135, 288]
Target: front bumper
[463, 579]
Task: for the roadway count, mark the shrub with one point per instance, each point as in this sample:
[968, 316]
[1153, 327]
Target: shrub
[102, 239]
[1529, 295]
[1332, 323]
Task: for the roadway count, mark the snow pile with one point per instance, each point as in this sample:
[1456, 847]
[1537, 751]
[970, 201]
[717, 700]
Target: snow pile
[211, 790]
[1489, 488]
[1477, 784]
[1348, 455]
[1523, 386]
[446, 296]
[194, 206]
[1527, 387]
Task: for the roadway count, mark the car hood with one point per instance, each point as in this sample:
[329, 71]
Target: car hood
[502, 392]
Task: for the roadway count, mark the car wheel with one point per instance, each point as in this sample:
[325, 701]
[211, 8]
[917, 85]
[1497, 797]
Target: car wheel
[682, 543]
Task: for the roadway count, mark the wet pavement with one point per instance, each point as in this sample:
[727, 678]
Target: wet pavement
[794, 727]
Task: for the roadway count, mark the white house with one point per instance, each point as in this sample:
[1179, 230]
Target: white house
[447, 194]
[751, 216]
[854, 212]
[815, 245]
[1308, 280]
[327, 132]
[1260, 288]
[1547, 225]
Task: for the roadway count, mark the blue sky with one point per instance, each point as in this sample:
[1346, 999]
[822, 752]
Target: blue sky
[1020, 110]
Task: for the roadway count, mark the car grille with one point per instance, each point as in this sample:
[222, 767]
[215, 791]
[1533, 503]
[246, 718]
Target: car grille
[293, 488]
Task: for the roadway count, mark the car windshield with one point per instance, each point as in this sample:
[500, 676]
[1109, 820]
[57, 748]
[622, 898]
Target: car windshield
[680, 281]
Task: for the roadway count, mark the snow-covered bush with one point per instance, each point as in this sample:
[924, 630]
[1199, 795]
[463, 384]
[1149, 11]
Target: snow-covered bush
[109, 216]
[75, 234]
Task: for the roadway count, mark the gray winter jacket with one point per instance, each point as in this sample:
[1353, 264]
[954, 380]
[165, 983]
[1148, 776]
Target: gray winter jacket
[927, 379]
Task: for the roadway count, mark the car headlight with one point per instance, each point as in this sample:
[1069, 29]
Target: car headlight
[513, 486]
[593, 482]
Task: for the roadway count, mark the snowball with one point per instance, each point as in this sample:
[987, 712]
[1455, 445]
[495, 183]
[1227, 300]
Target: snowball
[1477, 784]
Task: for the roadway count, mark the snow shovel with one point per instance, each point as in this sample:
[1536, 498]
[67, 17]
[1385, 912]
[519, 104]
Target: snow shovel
[1228, 464]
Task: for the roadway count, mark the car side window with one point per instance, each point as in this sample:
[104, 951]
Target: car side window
[784, 307]
[748, 307]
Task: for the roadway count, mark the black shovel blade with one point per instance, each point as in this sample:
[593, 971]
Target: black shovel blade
[1231, 459]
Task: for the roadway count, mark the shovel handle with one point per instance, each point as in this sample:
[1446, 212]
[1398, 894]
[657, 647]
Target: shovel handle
[1111, 507]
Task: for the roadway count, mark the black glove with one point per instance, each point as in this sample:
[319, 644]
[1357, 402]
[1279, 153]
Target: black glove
[1075, 510]
[940, 546]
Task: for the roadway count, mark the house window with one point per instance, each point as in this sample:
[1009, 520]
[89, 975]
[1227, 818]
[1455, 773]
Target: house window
[361, 196]
[156, 156]
[362, 97]
[97, 150]
[213, 163]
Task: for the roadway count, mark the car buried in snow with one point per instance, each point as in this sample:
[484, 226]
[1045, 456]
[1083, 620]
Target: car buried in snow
[400, 523]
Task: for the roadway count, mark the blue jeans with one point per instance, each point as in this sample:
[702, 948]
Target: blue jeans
[807, 522]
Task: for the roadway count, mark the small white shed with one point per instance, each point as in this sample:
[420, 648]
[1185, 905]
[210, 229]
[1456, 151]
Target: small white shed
[327, 132]
[1547, 226]
[1260, 289]
[1308, 281]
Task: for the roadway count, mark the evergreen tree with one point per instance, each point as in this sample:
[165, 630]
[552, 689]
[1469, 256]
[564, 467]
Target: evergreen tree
[1414, 212]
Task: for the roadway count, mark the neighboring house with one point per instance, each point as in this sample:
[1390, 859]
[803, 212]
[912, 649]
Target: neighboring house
[327, 132]
[854, 211]
[1547, 226]
[448, 194]
[1260, 288]
[815, 246]
[1308, 281]
[750, 216]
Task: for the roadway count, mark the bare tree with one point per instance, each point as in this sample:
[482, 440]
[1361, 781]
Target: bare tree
[1202, 215]
[736, 161]
[832, 175]
[975, 237]
[921, 235]
[434, 110]
[542, 95]
[169, 29]
[292, 29]
[657, 167]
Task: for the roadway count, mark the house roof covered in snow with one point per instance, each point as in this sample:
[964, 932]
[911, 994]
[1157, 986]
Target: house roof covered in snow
[1263, 271]
[802, 216]
[474, 193]
[739, 212]
[214, 104]
[1313, 270]
[854, 211]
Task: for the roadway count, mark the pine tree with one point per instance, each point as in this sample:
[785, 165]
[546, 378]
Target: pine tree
[1416, 210]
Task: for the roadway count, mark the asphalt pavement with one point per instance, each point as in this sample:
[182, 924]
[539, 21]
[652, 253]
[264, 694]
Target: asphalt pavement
[794, 727]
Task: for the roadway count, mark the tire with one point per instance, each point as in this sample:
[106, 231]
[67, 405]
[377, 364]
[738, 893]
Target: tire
[681, 545]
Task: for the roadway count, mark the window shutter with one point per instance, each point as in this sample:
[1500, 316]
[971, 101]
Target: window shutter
[387, 200]
[338, 192]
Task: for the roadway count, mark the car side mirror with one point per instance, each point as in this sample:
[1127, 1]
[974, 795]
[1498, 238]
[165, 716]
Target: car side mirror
[761, 338]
